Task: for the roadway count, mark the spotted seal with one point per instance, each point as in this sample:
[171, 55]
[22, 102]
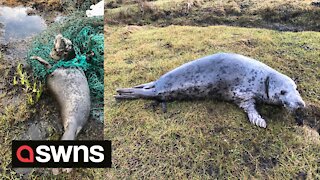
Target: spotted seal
[226, 76]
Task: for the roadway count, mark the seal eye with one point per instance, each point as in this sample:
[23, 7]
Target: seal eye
[283, 92]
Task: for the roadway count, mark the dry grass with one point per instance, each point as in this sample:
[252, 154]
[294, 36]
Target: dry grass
[48, 6]
[272, 14]
[51, 4]
[208, 139]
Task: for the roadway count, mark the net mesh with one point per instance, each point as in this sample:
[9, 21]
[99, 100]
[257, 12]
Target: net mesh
[87, 37]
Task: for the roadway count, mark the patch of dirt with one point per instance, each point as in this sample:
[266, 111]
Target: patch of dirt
[16, 51]
[310, 116]
[301, 175]
[255, 155]
[267, 163]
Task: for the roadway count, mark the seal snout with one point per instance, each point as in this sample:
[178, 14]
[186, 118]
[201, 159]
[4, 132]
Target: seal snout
[300, 104]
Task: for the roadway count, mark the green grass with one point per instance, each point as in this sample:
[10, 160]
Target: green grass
[206, 139]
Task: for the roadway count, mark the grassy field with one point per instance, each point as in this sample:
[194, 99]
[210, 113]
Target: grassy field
[205, 139]
[292, 15]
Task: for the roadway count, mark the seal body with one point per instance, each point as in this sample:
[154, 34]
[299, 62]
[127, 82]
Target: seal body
[226, 76]
[70, 88]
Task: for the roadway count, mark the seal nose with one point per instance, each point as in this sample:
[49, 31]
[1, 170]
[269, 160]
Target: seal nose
[300, 104]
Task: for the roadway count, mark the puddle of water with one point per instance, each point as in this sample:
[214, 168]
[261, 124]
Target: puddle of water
[17, 25]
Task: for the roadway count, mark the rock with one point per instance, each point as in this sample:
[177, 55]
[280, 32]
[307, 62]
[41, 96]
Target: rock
[30, 11]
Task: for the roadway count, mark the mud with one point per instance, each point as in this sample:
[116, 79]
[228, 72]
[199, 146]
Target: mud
[310, 116]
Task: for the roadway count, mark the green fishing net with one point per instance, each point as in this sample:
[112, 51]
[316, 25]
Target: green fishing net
[87, 37]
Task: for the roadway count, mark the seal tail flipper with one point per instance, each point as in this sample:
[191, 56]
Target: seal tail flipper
[135, 93]
[146, 86]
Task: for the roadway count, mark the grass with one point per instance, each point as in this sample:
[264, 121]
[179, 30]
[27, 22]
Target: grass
[272, 14]
[208, 139]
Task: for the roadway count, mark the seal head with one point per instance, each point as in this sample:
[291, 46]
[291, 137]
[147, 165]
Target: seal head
[282, 90]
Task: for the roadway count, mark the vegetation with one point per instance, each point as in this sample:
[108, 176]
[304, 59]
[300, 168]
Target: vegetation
[207, 139]
[32, 88]
[285, 15]
[53, 5]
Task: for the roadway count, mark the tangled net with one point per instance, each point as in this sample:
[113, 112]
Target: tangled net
[87, 37]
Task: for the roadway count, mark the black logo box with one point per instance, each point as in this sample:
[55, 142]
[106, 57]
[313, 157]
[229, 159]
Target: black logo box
[106, 163]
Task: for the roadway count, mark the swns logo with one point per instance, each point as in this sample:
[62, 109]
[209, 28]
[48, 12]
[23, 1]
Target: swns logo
[61, 154]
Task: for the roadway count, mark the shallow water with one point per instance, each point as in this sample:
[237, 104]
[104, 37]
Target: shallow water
[17, 25]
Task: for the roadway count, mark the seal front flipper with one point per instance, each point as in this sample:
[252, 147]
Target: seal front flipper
[146, 86]
[254, 117]
[156, 103]
[164, 106]
[42, 61]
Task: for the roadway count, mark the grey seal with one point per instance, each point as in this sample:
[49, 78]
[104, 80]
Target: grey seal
[225, 76]
[70, 88]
